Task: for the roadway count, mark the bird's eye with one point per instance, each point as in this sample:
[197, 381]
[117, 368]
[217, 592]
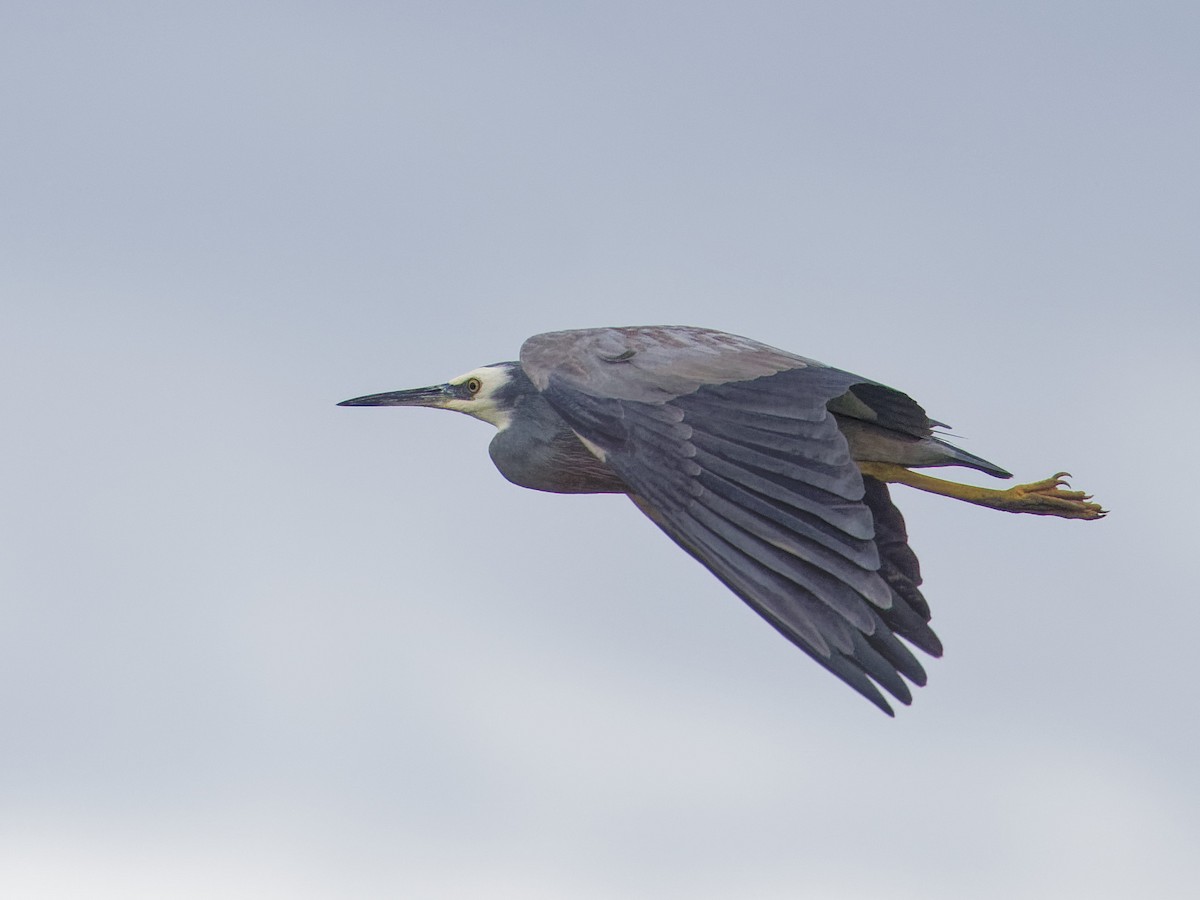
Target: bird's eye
[474, 385]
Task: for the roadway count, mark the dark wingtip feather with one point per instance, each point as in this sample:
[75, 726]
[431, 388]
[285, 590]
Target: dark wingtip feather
[897, 653]
[909, 614]
[932, 643]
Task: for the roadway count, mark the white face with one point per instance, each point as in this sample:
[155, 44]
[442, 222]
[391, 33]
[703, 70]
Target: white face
[482, 384]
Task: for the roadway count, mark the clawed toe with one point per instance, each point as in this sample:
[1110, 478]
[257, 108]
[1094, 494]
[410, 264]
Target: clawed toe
[1047, 498]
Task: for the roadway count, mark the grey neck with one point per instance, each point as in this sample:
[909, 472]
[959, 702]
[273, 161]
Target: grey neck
[539, 451]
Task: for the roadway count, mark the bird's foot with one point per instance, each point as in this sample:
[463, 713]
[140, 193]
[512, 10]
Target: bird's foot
[1047, 498]
[1041, 498]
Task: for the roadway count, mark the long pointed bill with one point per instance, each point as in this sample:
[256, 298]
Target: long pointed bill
[435, 397]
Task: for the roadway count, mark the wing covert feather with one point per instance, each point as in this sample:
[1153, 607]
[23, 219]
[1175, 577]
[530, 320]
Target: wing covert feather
[649, 364]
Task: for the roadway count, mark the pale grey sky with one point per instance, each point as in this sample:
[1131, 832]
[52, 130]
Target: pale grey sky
[255, 646]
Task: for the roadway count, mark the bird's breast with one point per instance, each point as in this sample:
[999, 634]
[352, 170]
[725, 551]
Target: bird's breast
[554, 461]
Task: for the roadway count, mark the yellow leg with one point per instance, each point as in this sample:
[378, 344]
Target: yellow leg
[1042, 498]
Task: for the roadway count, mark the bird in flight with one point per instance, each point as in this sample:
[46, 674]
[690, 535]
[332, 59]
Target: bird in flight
[768, 468]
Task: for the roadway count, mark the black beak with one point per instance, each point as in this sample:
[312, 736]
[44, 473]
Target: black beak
[427, 396]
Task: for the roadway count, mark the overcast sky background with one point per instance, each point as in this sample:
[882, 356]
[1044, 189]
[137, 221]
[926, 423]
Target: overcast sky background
[255, 646]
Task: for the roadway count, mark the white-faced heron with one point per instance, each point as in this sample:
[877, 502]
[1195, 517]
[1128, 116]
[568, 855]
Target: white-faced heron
[768, 468]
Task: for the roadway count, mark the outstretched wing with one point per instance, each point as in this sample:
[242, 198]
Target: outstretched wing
[728, 446]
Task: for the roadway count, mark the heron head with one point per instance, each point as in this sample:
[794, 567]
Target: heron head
[489, 393]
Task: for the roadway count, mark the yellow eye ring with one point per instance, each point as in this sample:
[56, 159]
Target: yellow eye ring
[474, 385]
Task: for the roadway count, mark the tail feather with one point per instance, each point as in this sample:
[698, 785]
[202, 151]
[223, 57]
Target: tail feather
[963, 458]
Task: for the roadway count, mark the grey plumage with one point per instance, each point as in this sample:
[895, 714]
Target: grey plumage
[748, 458]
